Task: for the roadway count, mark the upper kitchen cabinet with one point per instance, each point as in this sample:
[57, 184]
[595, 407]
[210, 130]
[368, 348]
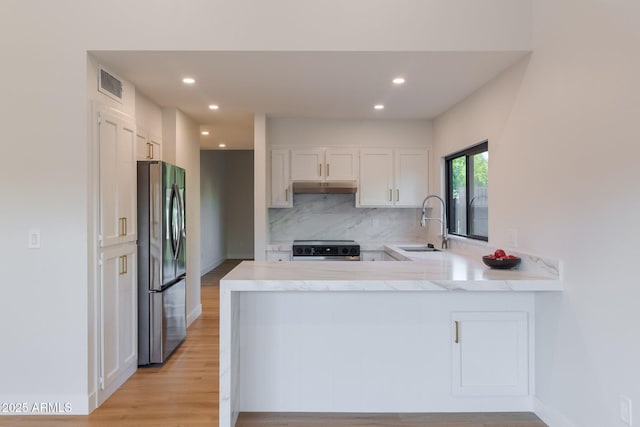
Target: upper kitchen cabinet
[280, 180]
[148, 147]
[341, 164]
[376, 177]
[324, 164]
[411, 177]
[393, 177]
[116, 135]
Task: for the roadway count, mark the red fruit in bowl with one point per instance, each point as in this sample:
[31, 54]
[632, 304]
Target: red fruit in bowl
[499, 253]
[511, 257]
[491, 256]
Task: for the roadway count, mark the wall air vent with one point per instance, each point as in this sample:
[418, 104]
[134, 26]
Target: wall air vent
[109, 84]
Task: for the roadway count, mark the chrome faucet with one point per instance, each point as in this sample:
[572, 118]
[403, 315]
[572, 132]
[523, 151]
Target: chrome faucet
[443, 219]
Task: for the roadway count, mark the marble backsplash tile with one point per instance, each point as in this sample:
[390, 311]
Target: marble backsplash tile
[334, 216]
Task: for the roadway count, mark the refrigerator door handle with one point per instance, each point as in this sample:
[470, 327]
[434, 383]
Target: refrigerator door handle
[175, 221]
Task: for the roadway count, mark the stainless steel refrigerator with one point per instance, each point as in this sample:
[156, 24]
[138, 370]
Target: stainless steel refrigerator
[162, 258]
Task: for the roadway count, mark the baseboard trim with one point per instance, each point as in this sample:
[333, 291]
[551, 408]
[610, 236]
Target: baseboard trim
[92, 404]
[194, 314]
[126, 373]
[549, 415]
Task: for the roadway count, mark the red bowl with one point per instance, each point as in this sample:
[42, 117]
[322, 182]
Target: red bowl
[503, 263]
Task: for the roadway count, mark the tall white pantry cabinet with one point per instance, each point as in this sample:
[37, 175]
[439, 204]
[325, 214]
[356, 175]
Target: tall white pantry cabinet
[117, 342]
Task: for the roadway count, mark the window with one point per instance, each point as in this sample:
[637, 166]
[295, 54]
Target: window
[468, 192]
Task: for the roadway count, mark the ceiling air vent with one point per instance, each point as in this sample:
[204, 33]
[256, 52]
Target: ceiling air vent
[109, 84]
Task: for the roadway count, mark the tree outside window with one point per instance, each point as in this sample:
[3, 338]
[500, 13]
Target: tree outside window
[468, 192]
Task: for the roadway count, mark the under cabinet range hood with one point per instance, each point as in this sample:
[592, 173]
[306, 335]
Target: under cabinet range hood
[332, 187]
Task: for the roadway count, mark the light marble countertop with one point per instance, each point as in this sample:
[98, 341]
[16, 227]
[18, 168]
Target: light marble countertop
[422, 271]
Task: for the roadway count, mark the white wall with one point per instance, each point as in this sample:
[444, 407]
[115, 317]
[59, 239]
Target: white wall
[45, 168]
[188, 157]
[148, 115]
[260, 185]
[353, 133]
[563, 142]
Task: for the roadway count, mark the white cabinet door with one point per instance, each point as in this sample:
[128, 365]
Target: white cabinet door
[142, 145]
[411, 173]
[155, 147]
[118, 319]
[376, 177]
[307, 165]
[279, 256]
[388, 257]
[117, 143]
[148, 147]
[371, 256]
[324, 164]
[280, 183]
[490, 354]
[340, 164]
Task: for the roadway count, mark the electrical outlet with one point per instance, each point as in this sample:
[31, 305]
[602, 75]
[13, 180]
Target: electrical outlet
[625, 410]
[33, 241]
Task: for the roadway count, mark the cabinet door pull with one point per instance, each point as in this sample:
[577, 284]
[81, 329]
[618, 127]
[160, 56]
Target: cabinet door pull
[397, 194]
[320, 169]
[286, 194]
[123, 226]
[123, 265]
[149, 150]
[390, 195]
[327, 169]
[457, 340]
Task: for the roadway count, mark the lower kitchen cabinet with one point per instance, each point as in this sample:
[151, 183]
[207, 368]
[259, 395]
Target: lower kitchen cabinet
[118, 321]
[279, 256]
[490, 353]
[372, 255]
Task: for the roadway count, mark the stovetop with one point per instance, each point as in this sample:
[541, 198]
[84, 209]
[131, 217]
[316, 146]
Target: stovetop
[323, 248]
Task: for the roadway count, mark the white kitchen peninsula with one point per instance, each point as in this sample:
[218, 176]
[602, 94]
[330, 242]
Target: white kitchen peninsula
[442, 333]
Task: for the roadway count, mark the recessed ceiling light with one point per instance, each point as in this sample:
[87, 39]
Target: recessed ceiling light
[222, 145]
[205, 132]
[398, 81]
[379, 107]
[188, 80]
[213, 107]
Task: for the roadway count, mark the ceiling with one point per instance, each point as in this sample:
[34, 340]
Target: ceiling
[320, 85]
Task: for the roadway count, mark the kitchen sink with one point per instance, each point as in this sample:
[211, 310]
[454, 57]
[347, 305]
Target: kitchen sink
[419, 248]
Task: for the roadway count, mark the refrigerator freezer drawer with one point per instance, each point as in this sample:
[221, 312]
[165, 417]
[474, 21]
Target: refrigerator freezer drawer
[168, 321]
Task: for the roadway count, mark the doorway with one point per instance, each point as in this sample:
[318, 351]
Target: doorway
[226, 206]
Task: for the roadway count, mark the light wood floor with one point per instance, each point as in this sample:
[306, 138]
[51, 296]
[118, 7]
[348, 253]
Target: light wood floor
[512, 419]
[184, 392]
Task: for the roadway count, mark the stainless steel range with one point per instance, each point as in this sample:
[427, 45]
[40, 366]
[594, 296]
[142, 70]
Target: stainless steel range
[326, 250]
